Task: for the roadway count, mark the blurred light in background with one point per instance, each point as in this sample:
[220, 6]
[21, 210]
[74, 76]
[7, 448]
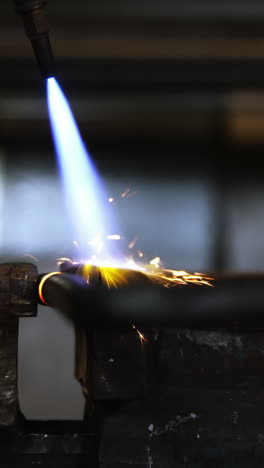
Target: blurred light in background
[2, 196]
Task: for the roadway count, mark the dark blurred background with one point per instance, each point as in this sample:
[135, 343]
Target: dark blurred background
[169, 96]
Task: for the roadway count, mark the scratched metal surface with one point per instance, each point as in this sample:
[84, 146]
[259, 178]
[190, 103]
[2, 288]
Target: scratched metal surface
[18, 289]
[206, 408]
[194, 428]
[211, 358]
[8, 371]
[118, 365]
[17, 298]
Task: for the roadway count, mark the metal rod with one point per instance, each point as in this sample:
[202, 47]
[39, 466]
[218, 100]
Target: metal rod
[232, 301]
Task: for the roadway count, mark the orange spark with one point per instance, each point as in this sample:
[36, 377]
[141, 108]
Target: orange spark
[125, 193]
[155, 262]
[61, 260]
[141, 336]
[170, 278]
[31, 256]
[131, 194]
[133, 242]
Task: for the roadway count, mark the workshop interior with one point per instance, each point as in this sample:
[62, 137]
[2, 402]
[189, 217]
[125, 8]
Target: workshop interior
[131, 233]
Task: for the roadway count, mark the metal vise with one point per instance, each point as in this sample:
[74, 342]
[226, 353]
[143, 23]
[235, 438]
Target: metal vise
[188, 396]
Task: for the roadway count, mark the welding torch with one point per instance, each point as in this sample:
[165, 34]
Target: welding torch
[34, 16]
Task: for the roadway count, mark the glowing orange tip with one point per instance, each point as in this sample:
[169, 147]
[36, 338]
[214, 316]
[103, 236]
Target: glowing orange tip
[42, 282]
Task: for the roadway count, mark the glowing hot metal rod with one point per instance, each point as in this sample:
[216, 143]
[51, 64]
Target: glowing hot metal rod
[233, 301]
[36, 26]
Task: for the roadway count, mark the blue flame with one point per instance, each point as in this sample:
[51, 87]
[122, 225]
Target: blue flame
[84, 192]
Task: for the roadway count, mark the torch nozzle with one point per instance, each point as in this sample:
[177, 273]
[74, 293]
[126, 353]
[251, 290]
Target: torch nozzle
[37, 29]
[43, 53]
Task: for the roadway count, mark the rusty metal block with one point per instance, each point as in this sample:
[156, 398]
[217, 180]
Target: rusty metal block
[18, 290]
[18, 298]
